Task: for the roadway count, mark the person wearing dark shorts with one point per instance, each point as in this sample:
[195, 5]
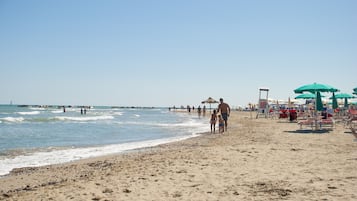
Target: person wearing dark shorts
[225, 111]
[225, 116]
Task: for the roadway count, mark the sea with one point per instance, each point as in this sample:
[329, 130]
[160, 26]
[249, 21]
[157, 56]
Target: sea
[33, 136]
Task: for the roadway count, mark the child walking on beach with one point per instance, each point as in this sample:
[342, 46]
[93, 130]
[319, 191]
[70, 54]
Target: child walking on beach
[213, 121]
[220, 124]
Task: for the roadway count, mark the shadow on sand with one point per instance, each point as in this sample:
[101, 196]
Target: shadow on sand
[308, 131]
[351, 133]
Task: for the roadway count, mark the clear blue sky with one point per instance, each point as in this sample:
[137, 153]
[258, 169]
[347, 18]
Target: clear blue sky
[179, 52]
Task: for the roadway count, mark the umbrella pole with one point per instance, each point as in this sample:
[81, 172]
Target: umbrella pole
[315, 103]
[315, 110]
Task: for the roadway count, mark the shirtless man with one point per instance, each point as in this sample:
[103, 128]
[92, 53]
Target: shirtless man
[225, 110]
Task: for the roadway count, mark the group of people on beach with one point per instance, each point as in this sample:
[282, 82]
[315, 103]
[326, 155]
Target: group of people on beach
[221, 114]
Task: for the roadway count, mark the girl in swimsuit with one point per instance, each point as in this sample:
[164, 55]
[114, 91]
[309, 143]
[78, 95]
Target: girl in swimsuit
[213, 121]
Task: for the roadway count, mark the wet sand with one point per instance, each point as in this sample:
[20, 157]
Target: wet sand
[257, 159]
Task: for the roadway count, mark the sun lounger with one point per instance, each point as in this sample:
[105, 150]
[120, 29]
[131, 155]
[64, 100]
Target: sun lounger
[353, 127]
[317, 123]
[352, 117]
[352, 121]
[327, 123]
[352, 112]
[309, 122]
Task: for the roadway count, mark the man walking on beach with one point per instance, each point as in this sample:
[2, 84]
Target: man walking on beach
[225, 110]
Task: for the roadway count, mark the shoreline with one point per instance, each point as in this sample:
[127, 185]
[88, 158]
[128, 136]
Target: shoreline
[257, 159]
[59, 148]
[95, 151]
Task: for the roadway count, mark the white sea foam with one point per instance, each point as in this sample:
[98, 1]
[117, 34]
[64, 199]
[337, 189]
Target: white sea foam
[186, 124]
[87, 118]
[57, 111]
[67, 155]
[158, 126]
[13, 119]
[190, 126]
[118, 113]
[36, 108]
[29, 113]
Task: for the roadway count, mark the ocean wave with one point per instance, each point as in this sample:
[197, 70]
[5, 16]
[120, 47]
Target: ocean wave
[57, 111]
[93, 118]
[12, 119]
[29, 113]
[186, 124]
[49, 157]
[36, 108]
[150, 125]
[118, 113]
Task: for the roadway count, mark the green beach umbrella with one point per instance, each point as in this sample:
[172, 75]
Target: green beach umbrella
[344, 95]
[315, 87]
[307, 96]
[319, 105]
[334, 101]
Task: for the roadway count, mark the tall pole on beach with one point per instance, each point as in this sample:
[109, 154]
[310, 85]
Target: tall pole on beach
[251, 109]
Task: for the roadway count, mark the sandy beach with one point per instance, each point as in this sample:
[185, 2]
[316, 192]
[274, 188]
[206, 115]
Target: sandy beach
[257, 159]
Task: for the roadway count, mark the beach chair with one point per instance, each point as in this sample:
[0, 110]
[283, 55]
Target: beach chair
[309, 122]
[353, 127]
[352, 121]
[339, 119]
[327, 123]
[352, 116]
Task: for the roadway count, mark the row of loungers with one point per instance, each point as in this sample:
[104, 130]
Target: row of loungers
[317, 123]
[329, 122]
[352, 121]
